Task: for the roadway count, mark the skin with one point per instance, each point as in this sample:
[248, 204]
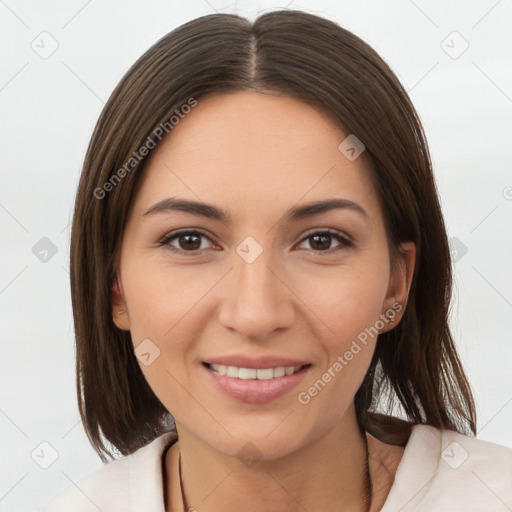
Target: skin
[256, 156]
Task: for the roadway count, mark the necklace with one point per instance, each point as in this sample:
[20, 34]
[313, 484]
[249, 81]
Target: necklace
[367, 493]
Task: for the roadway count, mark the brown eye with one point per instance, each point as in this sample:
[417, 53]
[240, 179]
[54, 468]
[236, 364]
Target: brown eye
[187, 241]
[321, 241]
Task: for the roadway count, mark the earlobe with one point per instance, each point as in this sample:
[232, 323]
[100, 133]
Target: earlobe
[400, 285]
[119, 312]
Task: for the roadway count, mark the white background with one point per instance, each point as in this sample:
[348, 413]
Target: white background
[50, 106]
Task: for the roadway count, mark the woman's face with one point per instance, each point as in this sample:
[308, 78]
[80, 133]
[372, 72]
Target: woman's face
[256, 286]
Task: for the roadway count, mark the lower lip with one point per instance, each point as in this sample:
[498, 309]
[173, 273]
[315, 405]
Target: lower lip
[254, 391]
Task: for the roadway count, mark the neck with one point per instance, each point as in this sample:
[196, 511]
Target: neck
[329, 474]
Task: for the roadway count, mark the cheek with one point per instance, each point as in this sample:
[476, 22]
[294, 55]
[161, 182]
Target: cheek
[347, 304]
[167, 316]
[160, 297]
[348, 350]
[346, 300]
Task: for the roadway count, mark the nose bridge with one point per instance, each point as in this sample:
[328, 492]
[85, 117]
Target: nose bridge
[254, 281]
[256, 303]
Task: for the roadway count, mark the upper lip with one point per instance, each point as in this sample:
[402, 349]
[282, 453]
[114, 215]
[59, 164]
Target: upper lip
[243, 361]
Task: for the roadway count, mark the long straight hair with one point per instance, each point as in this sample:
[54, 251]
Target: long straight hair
[309, 58]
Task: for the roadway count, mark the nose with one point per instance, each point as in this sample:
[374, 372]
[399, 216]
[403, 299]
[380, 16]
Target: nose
[257, 300]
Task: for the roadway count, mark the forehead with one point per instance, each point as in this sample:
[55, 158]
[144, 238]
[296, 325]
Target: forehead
[254, 150]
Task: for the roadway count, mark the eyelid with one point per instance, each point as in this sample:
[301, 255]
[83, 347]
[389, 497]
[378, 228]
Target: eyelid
[346, 242]
[164, 240]
[328, 231]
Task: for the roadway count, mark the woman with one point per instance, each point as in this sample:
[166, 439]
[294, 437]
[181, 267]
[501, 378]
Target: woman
[261, 279]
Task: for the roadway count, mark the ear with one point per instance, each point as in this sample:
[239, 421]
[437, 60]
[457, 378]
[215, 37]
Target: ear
[119, 311]
[399, 286]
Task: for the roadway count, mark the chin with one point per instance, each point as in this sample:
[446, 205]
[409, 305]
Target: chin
[251, 449]
[262, 440]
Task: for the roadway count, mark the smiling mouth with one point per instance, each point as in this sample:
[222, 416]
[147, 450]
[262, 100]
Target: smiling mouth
[255, 373]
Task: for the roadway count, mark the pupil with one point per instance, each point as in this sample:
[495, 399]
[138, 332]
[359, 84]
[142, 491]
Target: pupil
[325, 245]
[190, 241]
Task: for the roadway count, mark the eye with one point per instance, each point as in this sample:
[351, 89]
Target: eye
[187, 240]
[320, 241]
[190, 241]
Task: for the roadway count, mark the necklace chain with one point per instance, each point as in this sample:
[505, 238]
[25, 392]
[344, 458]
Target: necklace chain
[367, 493]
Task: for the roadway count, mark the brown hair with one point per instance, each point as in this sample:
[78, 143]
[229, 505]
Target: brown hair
[314, 60]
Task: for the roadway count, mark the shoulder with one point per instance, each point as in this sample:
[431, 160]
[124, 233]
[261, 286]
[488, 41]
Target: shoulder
[443, 470]
[132, 482]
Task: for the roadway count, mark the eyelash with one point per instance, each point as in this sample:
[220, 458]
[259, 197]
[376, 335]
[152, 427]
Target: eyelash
[166, 239]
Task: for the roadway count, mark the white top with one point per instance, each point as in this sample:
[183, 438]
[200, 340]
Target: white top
[440, 471]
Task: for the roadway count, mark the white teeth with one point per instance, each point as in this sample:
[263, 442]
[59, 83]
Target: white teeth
[267, 373]
[280, 371]
[247, 373]
[254, 373]
[222, 369]
[232, 371]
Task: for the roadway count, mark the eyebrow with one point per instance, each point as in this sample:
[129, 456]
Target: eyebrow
[296, 213]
